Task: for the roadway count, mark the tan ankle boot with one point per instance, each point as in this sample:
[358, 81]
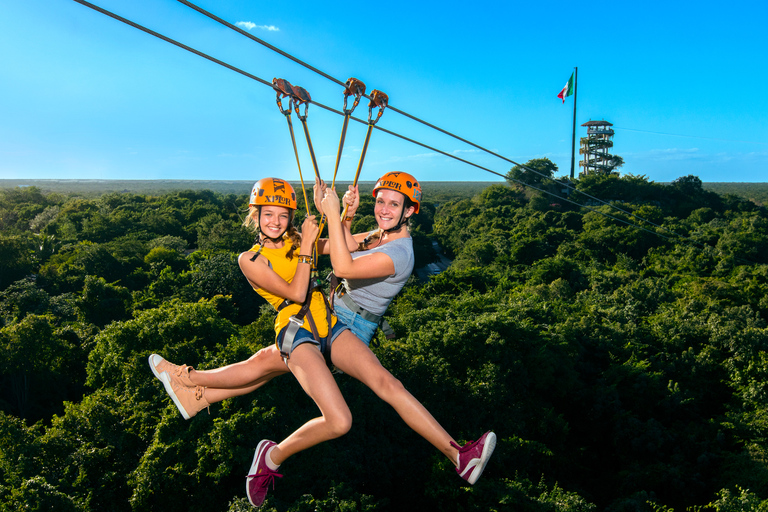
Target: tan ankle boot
[188, 400]
[179, 374]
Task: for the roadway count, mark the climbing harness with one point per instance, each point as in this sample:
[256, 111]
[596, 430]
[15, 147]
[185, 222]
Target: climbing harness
[296, 322]
[380, 100]
[299, 96]
[339, 289]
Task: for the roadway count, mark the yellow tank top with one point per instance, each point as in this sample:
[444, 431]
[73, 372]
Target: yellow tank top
[286, 268]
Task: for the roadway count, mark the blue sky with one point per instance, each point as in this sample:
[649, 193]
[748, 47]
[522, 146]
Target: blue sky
[84, 96]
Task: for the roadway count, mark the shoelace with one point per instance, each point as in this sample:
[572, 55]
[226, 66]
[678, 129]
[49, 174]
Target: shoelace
[199, 391]
[179, 370]
[269, 475]
[464, 448]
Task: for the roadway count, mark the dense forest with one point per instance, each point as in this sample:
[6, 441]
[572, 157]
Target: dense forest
[617, 349]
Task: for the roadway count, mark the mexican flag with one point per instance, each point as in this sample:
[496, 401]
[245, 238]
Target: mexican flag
[567, 90]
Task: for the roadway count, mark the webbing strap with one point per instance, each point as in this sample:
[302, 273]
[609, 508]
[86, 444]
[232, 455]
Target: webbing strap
[387, 330]
[283, 88]
[286, 347]
[297, 321]
[328, 318]
[355, 308]
[352, 87]
[380, 100]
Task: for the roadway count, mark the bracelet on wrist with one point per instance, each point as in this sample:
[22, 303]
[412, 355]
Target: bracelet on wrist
[303, 258]
[349, 217]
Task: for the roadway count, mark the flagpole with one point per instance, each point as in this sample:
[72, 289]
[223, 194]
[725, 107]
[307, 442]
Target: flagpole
[573, 140]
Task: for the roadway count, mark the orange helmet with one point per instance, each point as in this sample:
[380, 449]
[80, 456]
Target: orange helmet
[401, 182]
[273, 192]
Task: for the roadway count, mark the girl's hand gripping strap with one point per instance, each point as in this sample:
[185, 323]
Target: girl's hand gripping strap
[378, 99]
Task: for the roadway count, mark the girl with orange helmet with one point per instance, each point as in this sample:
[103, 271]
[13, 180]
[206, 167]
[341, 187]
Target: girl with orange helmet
[374, 266]
[278, 268]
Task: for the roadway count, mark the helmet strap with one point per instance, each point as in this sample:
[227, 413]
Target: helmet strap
[262, 236]
[403, 220]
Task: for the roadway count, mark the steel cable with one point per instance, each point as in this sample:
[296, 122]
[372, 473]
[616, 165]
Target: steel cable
[413, 141]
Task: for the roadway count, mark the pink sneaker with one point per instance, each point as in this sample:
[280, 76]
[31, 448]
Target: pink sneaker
[260, 476]
[474, 455]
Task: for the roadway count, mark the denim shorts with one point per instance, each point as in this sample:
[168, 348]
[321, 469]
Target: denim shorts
[362, 328]
[305, 336]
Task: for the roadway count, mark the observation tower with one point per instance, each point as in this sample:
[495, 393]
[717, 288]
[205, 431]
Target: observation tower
[595, 146]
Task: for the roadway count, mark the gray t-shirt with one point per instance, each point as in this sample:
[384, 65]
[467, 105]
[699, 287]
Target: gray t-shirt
[375, 294]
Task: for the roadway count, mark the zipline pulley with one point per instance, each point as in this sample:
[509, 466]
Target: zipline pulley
[298, 96]
[301, 97]
[356, 88]
[378, 99]
[284, 89]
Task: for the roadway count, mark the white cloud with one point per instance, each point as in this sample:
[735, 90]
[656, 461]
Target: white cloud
[249, 25]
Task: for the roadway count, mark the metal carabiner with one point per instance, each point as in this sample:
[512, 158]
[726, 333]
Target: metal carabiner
[356, 88]
[300, 96]
[283, 88]
[378, 99]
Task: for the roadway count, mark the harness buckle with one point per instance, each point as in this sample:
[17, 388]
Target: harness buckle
[286, 347]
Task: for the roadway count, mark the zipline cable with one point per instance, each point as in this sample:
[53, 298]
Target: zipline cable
[312, 68]
[330, 109]
[260, 41]
[172, 41]
[412, 117]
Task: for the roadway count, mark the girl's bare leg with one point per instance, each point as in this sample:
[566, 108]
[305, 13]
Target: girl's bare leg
[354, 358]
[244, 376]
[228, 381]
[214, 395]
[309, 368]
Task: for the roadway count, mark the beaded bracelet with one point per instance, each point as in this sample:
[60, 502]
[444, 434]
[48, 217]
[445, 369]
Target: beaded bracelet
[303, 258]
